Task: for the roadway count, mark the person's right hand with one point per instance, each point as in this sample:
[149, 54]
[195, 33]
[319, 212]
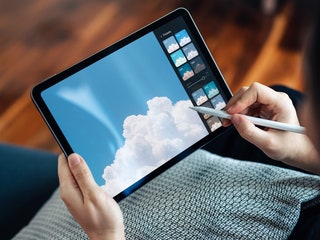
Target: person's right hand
[261, 101]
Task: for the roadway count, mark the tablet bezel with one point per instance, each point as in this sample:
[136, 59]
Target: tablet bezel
[58, 134]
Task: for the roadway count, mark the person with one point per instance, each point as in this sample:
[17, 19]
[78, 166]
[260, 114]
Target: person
[100, 216]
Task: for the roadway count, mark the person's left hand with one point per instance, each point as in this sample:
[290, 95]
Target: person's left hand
[96, 212]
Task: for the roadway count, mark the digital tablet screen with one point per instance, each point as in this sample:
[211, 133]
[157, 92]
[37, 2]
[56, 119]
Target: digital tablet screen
[125, 110]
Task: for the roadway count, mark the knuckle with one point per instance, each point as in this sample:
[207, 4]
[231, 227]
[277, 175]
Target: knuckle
[247, 133]
[270, 145]
[80, 172]
[63, 194]
[96, 197]
[255, 85]
[285, 97]
[244, 99]
[243, 89]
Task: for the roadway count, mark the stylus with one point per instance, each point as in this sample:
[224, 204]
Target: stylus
[254, 120]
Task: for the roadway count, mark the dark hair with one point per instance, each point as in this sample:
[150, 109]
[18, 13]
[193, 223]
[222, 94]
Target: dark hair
[312, 67]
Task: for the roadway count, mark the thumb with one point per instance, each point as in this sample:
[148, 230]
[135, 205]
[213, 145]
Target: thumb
[81, 173]
[249, 131]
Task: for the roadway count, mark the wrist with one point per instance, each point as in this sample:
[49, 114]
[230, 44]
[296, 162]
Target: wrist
[305, 156]
[108, 236]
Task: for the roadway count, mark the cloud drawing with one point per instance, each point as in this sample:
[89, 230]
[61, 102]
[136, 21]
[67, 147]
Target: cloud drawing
[187, 75]
[212, 92]
[215, 126]
[192, 54]
[220, 105]
[184, 41]
[179, 61]
[151, 140]
[173, 47]
[201, 99]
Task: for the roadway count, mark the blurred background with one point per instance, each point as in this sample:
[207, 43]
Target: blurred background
[251, 40]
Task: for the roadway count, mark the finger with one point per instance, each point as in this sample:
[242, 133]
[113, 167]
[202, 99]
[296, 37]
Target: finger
[82, 174]
[226, 122]
[249, 131]
[233, 100]
[69, 189]
[256, 93]
[235, 97]
[65, 176]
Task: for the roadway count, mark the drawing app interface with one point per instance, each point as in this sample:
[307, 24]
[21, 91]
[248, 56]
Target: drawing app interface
[128, 113]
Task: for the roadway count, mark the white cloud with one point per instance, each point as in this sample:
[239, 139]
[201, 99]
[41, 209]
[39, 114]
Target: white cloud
[173, 47]
[180, 61]
[220, 105]
[213, 92]
[199, 67]
[184, 41]
[215, 126]
[151, 140]
[192, 54]
[201, 100]
[187, 75]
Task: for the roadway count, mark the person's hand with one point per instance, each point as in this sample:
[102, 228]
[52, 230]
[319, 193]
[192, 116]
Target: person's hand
[96, 212]
[261, 101]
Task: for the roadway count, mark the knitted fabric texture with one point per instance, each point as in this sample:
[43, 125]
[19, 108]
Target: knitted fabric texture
[204, 196]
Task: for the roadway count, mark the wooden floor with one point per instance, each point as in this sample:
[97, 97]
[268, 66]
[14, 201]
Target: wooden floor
[40, 38]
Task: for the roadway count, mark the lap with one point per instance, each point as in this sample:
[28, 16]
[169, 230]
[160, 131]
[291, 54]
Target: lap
[28, 178]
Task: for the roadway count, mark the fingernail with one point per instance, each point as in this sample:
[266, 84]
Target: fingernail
[225, 122]
[229, 109]
[73, 159]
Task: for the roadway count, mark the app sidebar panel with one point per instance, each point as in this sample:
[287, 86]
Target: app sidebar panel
[190, 65]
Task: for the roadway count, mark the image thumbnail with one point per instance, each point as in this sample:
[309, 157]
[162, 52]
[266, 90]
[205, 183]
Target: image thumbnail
[178, 58]
[171, 44]
[186, 72]
[208, 105]
[190, 51]
[199, 96]
[197, 65]
[211, 89]
[214, 123]
[183, 37]
[218, 102]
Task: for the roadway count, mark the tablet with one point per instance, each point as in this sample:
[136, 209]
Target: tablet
[125, 109]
